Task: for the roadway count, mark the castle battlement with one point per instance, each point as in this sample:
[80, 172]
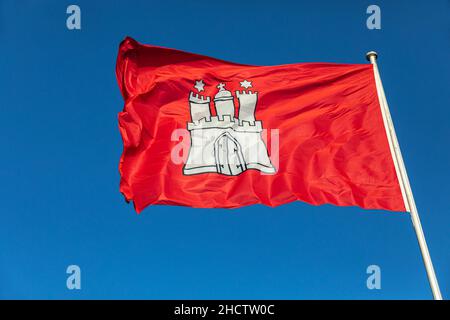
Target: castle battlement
[247, 93]
[197, 98]
[225, 123]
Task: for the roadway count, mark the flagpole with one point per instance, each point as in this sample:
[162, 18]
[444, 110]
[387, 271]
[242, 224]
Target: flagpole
[408, 196]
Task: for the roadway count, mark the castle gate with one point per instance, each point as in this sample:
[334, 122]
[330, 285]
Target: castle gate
[228, 154]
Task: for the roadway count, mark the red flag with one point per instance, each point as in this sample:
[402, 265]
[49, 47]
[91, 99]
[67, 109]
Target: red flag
[203, 132]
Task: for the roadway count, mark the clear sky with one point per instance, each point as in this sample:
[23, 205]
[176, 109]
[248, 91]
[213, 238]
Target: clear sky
[60, 147]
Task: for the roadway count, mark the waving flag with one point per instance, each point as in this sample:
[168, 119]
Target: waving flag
[203, 132]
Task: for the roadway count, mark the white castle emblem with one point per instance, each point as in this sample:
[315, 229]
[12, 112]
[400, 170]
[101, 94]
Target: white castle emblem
[223, 143]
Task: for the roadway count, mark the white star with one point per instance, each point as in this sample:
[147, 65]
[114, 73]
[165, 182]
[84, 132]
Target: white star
[246, 84]
[199, 85]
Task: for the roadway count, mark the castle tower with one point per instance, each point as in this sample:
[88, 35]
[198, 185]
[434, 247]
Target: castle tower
[247, 105]
[199, 107]
[224, 103]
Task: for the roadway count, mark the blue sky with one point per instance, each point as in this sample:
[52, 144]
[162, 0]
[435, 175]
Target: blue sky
[60, 147]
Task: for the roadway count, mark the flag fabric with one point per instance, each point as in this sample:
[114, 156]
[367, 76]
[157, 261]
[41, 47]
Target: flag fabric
[207, 133]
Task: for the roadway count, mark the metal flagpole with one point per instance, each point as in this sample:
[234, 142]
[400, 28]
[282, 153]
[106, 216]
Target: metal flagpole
[405, 186]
